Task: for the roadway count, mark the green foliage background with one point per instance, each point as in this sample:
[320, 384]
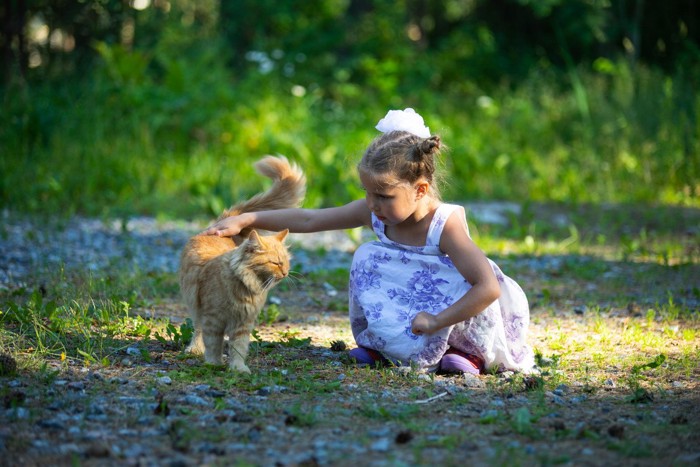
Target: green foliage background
[162, 110]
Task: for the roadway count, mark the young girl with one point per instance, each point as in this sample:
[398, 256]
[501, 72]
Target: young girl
[423, 294]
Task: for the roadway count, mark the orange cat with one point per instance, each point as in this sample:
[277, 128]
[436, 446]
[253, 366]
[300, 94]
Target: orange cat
[225, 280]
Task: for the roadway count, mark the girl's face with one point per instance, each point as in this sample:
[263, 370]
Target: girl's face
[390, 200]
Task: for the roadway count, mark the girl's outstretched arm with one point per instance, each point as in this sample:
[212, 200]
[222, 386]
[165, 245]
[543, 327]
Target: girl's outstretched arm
[353, 214]
[471, 262]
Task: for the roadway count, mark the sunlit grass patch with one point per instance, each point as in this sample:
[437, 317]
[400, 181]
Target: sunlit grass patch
[80, 316]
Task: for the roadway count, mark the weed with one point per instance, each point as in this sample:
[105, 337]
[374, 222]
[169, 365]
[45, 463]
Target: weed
[630, 448]
[300, 417]
[290, 339]
[269, 314]
[639, 393]
[388, 412]
[689, 335]
[542, 361]
[179, 336]
[46, 375]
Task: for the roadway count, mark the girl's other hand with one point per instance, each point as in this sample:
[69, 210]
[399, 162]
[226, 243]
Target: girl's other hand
[227, 227]
[424, 323]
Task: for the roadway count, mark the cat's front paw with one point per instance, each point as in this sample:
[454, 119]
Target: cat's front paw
[196, 346]
[194, 349]
[239, 366]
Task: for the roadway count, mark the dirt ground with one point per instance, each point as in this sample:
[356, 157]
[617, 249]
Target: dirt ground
[305, 404]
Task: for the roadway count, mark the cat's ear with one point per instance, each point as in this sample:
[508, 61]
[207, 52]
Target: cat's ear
[282, 235]
[253, 241]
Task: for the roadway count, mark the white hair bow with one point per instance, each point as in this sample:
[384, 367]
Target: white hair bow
[404, 120]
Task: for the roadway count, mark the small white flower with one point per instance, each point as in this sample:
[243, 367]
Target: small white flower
[404, 120]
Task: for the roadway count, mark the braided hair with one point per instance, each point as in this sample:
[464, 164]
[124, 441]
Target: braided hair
[404, 155]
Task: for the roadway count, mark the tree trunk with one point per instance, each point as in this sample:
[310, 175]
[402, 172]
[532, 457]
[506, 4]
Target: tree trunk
[13, 43]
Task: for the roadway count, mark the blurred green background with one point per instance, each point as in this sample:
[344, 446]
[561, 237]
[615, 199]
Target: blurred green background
[159, 107]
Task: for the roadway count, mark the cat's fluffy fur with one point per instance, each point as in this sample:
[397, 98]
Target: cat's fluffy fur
[224, 281]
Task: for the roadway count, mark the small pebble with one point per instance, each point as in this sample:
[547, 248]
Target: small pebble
[52, 423]
[76, 386]
[216, 393]
[17, 413]
[119, 381]
[330, 290]
[473, 381]
[275, 300]
[267, 390]
[98, 450]
[381, 445]
[195, 400]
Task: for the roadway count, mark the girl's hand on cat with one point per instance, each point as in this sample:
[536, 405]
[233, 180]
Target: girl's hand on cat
[424, 323]
[227, 227]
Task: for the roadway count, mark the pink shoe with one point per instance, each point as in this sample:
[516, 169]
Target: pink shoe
[455, 361]
[365, 356]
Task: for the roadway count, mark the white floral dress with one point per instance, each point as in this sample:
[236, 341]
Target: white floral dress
[391, 282]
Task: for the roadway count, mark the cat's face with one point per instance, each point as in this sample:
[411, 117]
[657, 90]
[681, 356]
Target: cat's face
[268, 257]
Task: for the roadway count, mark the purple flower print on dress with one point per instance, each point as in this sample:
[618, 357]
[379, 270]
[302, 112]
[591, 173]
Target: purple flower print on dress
[361, 279]
[407, 317]
[407, 331]
[513, 328]
[364, 276]
[432, 352]
[444, 259]
[468, 338]
[403, 257]
[375, 342]
[404, 315]
[358, 325]
[438, 223]
[499, 274]
[376, 259]
[519, 354]
[373, 311]
[358, 321]
[422, 293]
[474, 349]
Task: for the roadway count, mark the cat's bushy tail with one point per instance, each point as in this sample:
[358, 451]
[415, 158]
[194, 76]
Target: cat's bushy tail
[287, 190]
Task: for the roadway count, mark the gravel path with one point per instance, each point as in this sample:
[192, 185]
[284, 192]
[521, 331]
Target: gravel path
[149, 245]
[145, 244]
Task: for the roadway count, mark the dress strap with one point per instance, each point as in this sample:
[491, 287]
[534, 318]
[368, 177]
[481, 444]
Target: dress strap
[443, 212]
[378, 227]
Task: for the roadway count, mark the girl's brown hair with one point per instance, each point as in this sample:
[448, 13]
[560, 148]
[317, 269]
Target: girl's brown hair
[404, 155]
